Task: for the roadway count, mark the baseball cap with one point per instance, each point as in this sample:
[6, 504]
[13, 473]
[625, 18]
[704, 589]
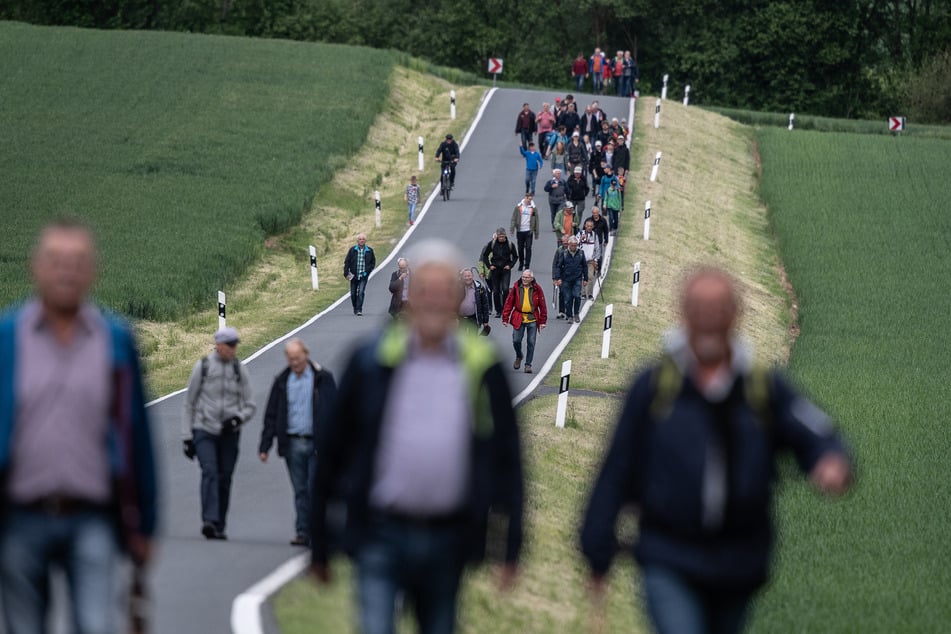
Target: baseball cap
[569, 205]
[449, 137]
[575, 133]
[227, 335]
[597, 144]
[578, 169]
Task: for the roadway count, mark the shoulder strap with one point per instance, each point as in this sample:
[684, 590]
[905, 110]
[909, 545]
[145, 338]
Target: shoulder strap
[756, 388]
[237, 369]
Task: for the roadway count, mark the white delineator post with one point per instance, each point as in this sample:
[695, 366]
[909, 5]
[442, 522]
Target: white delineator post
[379, 218]
[647, 220]
[606, 340]
[655, 168]
[635, 288]
[313, 268]
[419, 141]
[563, 394]
[657, 115]
[663, 91]
[452, 105]
[792, 117]
[222, 310]
[687, 95]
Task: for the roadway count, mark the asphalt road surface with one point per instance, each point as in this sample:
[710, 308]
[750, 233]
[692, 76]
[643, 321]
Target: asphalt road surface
[195, 581]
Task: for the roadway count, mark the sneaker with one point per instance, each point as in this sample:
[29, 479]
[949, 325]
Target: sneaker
[518, 363]
[528, 369]
[300, 540]
[411, 223]
[359, 313]
[561, 316]
[577, 319]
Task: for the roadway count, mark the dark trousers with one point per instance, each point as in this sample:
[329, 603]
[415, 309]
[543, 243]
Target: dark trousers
[499, 280]
[217, 456]
[526, 138]
[523, 241]
[678, 606]
[358, 287]
[614, 217]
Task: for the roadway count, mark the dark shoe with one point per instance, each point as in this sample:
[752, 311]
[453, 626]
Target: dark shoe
[518, 363]
[208, 530]
[300, 540]
[359, 313]
[577, 319]
[561, 316]
[498, 315]
[528, 369]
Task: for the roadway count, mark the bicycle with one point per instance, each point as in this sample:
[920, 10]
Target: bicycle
[444, 181]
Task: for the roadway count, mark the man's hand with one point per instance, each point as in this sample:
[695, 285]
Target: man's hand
[557, 282]
[508, 574]
[506, 268]
[231, 424]
[263, 456]
[188, 448]
[584, 282]
[491, 268]
[542, 327]
[832, 474]
[320, 573]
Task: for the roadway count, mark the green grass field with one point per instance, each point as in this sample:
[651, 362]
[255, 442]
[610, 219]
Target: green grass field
[183, 151]
[864, 231]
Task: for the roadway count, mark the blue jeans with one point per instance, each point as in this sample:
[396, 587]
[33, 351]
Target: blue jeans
[571, 291]
[217, 456]
[358, 287]
[677, 606]
[84, 545]
[597, 83]
[301, 462]
[419, 562]
[531, 176]
[579, 83]
[411, 211]
[532, 331]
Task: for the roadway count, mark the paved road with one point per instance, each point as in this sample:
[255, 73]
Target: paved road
[195, 581]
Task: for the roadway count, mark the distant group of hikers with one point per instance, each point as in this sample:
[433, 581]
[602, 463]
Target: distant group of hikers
[603, 70]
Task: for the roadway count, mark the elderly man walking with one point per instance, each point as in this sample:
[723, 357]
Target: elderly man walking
[425, 437]
[695, 452]
[76, 458]
[300, 400]
[571, 277]
[525, 309]
[218, 402]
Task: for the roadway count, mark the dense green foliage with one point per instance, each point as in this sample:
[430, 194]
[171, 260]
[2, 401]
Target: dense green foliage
[843, 58]
[863, 228]
[183, 151]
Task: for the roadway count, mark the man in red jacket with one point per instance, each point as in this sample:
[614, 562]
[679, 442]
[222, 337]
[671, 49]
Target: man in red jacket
[525, 309]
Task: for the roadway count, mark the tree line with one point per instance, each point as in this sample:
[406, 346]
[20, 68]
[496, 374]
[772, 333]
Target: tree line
[841, 58]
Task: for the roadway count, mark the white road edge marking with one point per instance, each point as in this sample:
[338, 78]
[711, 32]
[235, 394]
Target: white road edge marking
[246, 608]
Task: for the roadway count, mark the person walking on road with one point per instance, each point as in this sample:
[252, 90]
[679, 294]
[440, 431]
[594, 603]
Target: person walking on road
[572, 279]
[596, 65]
[695, 451]
[476, 303]
[425, 436]
[525, 228]
[590, 246]
[412, 196]
[218, 402]
[577, 190]
[579, 71]
[525, 309]
[602, 230]
[559, 297]
[301, 399]
[399, 288]
[357, 266]
[556, 188]
[533, 162]
[498, 257]
[566, 223]
[544, 124]
[613, 203]
[525, 125]
[77, 463]
[448, 152]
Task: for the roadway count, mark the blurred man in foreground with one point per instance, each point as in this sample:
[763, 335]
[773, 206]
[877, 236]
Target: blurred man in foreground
[695, 451]
[76, 458]
[423, 441]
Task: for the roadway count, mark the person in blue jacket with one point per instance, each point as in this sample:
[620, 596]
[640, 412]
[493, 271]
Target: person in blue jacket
[77, 468]
[422, 450]
[695, 452]
[533, 161]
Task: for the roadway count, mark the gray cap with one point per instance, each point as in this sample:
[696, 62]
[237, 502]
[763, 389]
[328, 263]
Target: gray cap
[500, 231]
[227, 335]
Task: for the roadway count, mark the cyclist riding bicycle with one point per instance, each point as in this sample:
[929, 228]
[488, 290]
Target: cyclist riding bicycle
[448, 151]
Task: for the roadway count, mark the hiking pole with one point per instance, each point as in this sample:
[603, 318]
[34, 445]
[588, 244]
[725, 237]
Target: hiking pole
[597, 280]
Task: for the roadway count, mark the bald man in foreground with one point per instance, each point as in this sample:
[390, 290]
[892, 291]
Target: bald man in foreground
[300, 400]
[425, 438]
[695, 451]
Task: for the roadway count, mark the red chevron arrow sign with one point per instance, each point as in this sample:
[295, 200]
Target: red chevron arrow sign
[896, 124]
[495, 65]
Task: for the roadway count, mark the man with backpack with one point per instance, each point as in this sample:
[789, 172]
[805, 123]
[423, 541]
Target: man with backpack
[695, 451]
[498, 257]
[571, 277]
[218, 402]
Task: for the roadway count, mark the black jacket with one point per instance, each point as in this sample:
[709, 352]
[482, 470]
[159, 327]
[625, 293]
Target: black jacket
[396, 293]
[350, 263]
[601, 228]
[275, 415]
[577, 188]
[622, 157]
[499, 254]
[571, 267]
[448, 150]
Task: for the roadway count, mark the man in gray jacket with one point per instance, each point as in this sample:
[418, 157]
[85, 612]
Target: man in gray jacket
[218, 402]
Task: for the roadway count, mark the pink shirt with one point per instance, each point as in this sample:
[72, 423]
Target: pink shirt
[545, 121]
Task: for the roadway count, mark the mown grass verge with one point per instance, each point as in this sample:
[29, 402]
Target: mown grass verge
[864, 232]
